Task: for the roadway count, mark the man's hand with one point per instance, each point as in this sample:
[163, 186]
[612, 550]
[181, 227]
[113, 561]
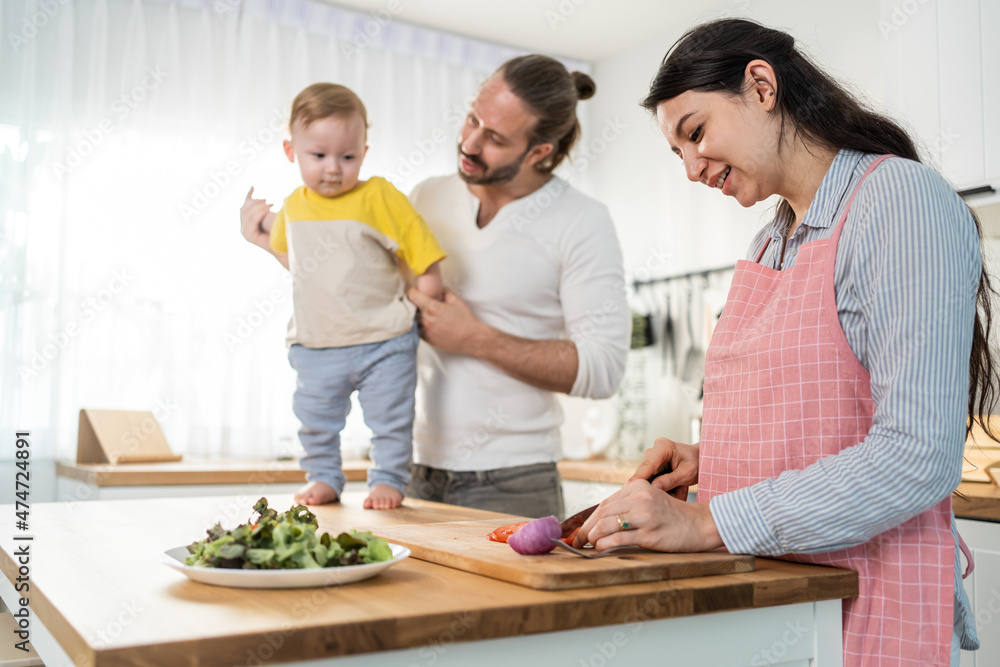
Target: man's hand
[449, 325]
[255, 221]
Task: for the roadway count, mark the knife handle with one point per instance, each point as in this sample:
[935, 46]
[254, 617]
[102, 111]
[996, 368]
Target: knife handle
[667, 468]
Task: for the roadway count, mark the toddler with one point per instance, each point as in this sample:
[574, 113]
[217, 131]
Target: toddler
[347, 244]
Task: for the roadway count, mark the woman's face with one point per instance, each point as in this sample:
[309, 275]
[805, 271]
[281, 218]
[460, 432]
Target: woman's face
[726, 142]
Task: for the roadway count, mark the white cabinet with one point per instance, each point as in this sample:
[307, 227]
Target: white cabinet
[990, 17]
[941, 70]
[960, 87]
[983, 588]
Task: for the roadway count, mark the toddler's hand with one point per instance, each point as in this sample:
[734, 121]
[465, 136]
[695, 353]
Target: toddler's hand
[316, 493]
[430, 283]
[383, 497]
[255, 221]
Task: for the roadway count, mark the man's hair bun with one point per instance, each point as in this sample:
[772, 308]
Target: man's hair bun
[585, 86]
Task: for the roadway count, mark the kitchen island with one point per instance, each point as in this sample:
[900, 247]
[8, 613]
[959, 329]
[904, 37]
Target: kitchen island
[99, 596]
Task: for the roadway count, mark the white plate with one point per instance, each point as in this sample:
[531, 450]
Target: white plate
[324, 576]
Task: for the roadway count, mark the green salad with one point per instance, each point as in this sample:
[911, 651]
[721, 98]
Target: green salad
[286, 541]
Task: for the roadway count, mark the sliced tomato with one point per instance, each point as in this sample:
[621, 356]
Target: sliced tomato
[503, 532]
[569, 538]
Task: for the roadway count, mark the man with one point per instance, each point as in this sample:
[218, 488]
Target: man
[535, 305]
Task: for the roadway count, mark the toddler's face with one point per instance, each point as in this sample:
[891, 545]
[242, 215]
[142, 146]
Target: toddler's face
[329, 152]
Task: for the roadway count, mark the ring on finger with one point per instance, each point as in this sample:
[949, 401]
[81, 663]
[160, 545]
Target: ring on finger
[623, 523]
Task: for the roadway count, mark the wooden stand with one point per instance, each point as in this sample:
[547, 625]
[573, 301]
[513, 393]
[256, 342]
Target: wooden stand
[121, 436]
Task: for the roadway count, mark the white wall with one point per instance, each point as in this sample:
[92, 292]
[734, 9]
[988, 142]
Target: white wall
[651, 200]
[658, 212]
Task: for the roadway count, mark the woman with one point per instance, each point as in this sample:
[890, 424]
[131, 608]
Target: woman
[848, 357]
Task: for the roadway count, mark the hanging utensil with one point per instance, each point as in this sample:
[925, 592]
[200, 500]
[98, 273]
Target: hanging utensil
[694, 362]
[669, 350]
[649, 322]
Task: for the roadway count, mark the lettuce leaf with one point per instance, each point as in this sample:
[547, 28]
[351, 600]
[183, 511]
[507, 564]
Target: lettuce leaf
[288, 540]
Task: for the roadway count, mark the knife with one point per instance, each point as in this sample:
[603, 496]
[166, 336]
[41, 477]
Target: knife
[577, 520]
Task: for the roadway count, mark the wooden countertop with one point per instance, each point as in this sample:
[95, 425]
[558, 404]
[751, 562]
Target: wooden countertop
[256, 471]
[195, 471]
[605, 471]
[98, 587]
[983, 501]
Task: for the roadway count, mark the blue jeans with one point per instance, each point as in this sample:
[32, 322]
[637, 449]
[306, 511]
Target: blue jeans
[385, 376]
[533, 490]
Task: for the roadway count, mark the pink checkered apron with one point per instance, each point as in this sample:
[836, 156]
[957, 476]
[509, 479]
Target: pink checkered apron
[783, 389]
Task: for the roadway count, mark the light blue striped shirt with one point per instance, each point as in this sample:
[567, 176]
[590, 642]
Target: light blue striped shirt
[906, 275]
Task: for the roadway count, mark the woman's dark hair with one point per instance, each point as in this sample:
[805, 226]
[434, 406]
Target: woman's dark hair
[550, 92]
[713, 57]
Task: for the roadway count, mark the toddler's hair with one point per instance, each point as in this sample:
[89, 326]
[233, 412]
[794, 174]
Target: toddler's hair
[322, 100]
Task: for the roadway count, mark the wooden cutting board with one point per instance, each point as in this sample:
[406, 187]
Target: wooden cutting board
[463, 545]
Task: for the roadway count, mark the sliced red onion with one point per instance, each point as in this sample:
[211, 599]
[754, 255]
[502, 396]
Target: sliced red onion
[535, 537]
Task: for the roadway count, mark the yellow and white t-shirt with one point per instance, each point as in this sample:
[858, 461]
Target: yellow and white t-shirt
[347, 288]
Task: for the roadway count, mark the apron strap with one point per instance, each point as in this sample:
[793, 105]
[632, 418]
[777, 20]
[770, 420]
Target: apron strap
[835, 237]
[761, 253]
[968, 556]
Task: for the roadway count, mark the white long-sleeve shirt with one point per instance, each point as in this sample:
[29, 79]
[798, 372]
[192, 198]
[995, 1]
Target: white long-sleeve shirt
[548, 266]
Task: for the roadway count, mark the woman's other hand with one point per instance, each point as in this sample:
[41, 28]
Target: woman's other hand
[682, 461]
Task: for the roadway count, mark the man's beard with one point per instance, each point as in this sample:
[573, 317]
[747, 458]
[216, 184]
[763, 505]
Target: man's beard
[494, 176]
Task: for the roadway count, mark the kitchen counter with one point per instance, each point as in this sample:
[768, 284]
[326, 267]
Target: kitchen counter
[195, 471]
[190, 477]
[256, 477]
[602, 471]
[271, 471]
[982, 503]
[100, 598]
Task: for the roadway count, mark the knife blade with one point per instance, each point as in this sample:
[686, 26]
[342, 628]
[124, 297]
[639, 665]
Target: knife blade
[574, 522]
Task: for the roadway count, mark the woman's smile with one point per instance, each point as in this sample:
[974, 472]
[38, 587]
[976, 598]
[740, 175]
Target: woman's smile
[721, 180]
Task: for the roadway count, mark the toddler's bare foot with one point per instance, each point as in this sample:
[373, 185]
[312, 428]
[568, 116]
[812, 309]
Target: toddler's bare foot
[316, 493]
[383, 497]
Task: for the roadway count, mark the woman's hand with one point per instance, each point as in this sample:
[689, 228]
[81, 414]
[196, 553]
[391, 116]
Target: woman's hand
[658, 521]
[682, 461]
[255, 221]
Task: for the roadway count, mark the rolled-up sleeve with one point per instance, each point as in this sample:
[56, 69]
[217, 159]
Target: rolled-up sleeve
[596, 313]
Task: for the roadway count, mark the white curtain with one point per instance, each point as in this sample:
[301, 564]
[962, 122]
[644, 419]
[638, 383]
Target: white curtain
[130, 132]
